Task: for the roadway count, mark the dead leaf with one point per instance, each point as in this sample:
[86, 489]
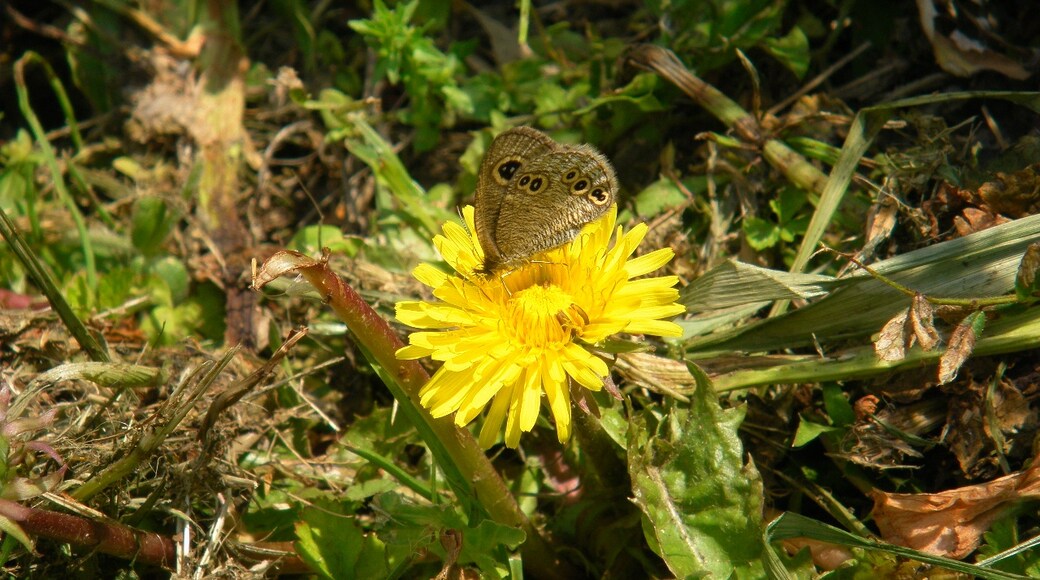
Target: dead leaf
[825, 555]
[921, 321]
[984, 417]
[962, 344]
[451, 541]
[891, 342]
[865, 407]
[1027, 285]
[659, 374]
[888, 436]
[961, 55]
[950, 523]
[973, 219]
[582, 397]
[966, 436]
[1011, 410]
[1015, 194]
[913, 325]
[881, 221]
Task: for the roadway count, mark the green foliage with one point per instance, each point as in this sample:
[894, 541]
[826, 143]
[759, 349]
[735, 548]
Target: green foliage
[458, 73]
[311, 239]
[19, 161]
[790, 222]
[330, 540]
[177, 315]
[839, 411]
[791, 50]
[408, 56]
[151, 223]
[91, 68]
[680, 464]
[663, 194]
[1003, 536]
[715, 29]
[340, 543]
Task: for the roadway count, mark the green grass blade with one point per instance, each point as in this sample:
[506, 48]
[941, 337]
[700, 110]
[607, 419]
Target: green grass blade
[49, 155]
[46, 284]
[369, 146]
[979, 265]
[864, 128]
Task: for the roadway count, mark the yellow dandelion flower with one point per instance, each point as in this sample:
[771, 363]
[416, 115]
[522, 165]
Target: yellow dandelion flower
[507, 340]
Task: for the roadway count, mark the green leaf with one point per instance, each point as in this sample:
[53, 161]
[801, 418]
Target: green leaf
[336, 547]
[369, 146]
[659, 196]
[151, 223]
[639, 93]
[734, 283]
[10, 528]
[792, 51]
[370, 488]
[175, 275]
[701, 504]
[838, 408]
[408, 56]
[787, 205]
[1003, 550]
[761, 234]
[166, 325]
[311, 239]
[977, 265]
[486, 545]
[809, 431]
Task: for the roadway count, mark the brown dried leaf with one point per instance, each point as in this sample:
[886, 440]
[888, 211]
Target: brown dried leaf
[659, 374]
[1026, 284]
[966, 434]
[281, 264]
[962, 344]
[975, 220]
[1014, 194]
[950, 523]
[882, 221]
[891, 342]
[921, 320]
[1011, 409]
[963, 56]
[985, 417]
[882, 440]
[825, 555]
[873, 446]
[582, 397]
[865, 407]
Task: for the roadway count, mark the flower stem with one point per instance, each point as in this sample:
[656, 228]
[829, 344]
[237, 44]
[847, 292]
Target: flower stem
[464, 463]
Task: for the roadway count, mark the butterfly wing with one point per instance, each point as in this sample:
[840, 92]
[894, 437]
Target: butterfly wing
[508, 155]
[550, 199]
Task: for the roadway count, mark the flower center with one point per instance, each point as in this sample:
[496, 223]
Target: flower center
[542, 316]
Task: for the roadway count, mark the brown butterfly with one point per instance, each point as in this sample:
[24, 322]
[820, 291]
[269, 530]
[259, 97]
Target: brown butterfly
[534, 194]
